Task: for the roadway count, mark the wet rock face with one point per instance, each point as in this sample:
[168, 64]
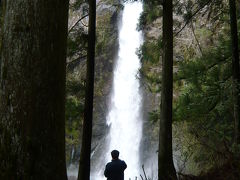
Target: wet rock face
[106, 51]
[103, 85]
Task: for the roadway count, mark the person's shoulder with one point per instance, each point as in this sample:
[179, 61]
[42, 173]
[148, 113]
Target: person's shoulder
[109, 163]
[123, 164]
[122, 161]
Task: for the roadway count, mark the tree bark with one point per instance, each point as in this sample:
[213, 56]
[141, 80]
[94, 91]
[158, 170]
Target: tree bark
[32, 90]
[166, 168]
[235, 69]
[1, 25]
[84, 165]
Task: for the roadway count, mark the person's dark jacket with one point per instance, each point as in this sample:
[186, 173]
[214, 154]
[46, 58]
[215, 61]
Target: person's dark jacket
[115, 170]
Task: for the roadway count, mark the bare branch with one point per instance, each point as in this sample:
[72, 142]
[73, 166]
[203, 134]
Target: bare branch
[76, 23]
[144, 172]
[199, 46]
[189, 20]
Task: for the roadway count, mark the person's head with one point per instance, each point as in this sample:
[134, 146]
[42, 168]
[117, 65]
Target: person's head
[115, 154]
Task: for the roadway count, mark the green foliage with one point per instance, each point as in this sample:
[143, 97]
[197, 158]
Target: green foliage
[150, 53]
[104, 33]
[151, 11]
[154, 116]
[205, 103]
[77, 44]
[77, 4]
[74, 108]
[75, 85]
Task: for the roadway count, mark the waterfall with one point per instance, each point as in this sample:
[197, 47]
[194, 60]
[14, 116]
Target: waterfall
[124, 116]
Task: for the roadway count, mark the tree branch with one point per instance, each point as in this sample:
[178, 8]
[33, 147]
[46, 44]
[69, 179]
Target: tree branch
[77, 23]
[200, 49]
[76, 60]
[189, 20]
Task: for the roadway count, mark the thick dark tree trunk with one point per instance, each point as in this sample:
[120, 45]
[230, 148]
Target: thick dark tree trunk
[166, 168]
[84, 165]
[235, 69]
[32, 90]
[1, 25]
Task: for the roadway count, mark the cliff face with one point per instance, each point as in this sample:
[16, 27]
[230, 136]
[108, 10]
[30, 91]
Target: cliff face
[108, 20]
[108, 14]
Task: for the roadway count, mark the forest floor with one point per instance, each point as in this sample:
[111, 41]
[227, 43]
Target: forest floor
[228, 171]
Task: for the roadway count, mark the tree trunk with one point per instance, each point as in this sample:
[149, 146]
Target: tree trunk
[166, 168]
[235, 69]
[1, 25]
[32, 90]
[84, 165]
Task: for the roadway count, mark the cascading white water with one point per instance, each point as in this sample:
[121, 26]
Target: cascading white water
[124, 117]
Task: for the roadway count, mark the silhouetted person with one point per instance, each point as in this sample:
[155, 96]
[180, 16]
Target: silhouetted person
[115, 170]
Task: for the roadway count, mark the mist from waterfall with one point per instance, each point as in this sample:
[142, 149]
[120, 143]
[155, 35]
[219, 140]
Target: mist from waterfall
[124, 117]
